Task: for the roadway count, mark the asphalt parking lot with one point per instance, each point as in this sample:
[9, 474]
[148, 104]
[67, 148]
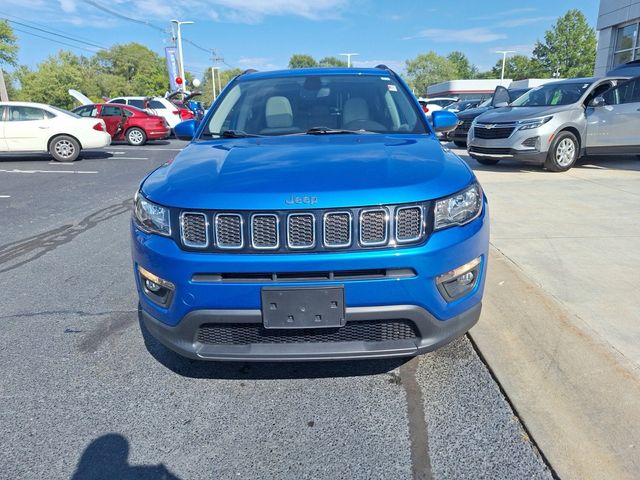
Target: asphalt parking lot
[87, 394]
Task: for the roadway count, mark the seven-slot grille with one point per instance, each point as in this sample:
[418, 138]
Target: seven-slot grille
[493, 131]
[318, 230]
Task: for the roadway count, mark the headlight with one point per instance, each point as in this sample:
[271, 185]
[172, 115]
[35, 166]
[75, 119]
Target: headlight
[533, 123]
[458, 209]
[150, 217]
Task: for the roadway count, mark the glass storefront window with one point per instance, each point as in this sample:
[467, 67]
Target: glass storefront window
[627, 44]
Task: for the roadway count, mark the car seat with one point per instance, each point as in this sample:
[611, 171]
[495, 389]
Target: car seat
[278, 116]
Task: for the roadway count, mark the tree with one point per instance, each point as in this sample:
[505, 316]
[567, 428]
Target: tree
[300, 60]
[8, 46]
[52, 79]
[222, 78]
[332, 62]
[140, 71]
[519, 67]
[427, 69]
[463, 66]
[569, 47]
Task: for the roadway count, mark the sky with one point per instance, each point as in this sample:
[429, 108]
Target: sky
[263, 34]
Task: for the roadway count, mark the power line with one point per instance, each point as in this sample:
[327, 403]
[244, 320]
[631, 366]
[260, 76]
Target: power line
[91, 44]
[53, 40]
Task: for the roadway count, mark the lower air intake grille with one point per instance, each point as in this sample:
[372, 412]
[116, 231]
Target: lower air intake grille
[252, 333]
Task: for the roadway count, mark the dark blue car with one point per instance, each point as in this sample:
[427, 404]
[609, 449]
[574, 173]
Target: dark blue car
[314, 215]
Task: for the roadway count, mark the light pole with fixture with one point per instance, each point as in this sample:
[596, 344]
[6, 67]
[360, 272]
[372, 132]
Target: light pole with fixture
[504, 59]
[349, 55]
[180, 58]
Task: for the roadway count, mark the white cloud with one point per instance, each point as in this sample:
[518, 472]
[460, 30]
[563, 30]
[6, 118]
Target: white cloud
[396, 65]
[520, 49]
[259, 63]
[519, 22]
[469, 35]
[68, 6]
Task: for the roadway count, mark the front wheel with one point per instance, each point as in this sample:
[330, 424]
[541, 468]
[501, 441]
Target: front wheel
[136, 137]
[563, 152]
[460, 143]
[64, 148]
[484, 160]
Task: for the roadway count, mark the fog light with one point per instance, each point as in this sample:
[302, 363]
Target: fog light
[460, 281]
[155, 288]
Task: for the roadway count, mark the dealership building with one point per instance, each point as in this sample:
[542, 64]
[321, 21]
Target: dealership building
[619, 34]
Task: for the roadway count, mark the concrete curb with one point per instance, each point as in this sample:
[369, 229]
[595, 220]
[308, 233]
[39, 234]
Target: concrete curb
[578, 397]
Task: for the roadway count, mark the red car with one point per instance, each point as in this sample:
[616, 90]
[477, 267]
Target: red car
[127, 123]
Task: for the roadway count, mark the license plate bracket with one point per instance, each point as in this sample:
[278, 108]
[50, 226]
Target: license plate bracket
[311, 307]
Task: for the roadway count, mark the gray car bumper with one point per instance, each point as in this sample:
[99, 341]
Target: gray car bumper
[526, 156]
[430, 334]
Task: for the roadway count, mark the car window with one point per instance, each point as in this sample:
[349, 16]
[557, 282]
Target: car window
[121, 101]
[2, 109]
[627, 92]
[156, 105]
[136, 103]
[24, 114]
[287, 105]
[552, 94]
[86, 111]
[109, 111]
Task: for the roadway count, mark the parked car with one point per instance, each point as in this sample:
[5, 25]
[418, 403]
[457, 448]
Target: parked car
[189, 108]
[154, 105]
[548, 126]
[436, 103]
[466, 117]
[314, 215]
[629, 69]
[127, 123]
[35, 127]
[462, 105]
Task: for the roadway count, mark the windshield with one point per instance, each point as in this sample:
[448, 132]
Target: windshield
[295, 105]
[66, 112]
[552, 94]
[486, 103]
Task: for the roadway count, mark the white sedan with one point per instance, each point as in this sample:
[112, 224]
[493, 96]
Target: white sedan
[35, 127]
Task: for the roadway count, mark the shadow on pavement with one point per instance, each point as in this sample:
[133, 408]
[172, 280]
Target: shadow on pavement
[107, 458]
[44, 157]
[262, 370]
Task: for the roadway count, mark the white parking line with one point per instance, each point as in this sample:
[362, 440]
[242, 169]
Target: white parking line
[5, 196]
[15, 170]
[116, 153]
[159, 149]
[133, 158]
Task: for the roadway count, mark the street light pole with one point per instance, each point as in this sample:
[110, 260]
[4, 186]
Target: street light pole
[504, 59]
[349, 55]
[180, 58]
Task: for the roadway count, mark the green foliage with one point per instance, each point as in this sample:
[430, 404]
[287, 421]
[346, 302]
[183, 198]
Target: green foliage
[519, 67]
[8, 46]
[300, 60]
[464, 68]
[427, 69]
[569, 47]
[222, 78]
[332, 62]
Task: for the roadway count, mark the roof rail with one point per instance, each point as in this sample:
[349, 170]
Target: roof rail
[382, 67]
[249, 70]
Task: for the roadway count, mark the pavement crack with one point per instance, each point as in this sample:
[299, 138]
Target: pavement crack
[418, 436]
[80, 313]
[24, 251]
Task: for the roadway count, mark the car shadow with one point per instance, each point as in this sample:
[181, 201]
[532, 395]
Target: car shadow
[44, 157]
[262, 370]
[107, 458]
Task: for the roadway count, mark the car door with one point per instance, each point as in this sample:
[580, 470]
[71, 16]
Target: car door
[3, 141]
[27, 128]
[613, 126]
[112, 116]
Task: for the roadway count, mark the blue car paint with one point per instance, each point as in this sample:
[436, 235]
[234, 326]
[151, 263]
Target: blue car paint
[336, 171]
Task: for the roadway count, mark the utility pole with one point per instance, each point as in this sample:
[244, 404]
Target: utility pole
[349, 55]
[213, 81]
[180, 58]
[4, 96]
[504, 59]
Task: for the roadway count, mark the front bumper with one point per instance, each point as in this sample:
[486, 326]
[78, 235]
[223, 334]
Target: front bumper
[415, 298]
[434, 333]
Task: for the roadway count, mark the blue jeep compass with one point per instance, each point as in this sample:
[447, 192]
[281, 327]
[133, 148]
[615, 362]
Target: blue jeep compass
[313, 216]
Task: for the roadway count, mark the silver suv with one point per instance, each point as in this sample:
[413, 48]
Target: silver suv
[554, 125]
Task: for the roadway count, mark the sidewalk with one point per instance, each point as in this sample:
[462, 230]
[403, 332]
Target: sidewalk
[561, 322]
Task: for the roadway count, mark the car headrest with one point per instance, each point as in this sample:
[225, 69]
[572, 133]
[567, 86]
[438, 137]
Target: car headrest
[355, 109]
[278, 113]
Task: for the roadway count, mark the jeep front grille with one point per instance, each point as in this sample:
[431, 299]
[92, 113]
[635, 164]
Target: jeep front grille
[308, 231]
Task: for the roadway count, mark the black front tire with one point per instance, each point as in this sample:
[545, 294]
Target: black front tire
[460, 143]
[563, 152]
[485, 161]
[64, 148]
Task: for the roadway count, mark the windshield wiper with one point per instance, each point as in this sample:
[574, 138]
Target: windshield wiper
[332, 131]
[233, 134]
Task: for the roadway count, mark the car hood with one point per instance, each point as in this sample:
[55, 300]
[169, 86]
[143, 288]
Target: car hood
[473, 112]
[513, 114]
[310, 171]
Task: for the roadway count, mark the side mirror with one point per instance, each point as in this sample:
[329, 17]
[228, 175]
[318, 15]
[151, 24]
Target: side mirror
[501, 104]
[444, 121]
[186, 130]
[598, 102]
